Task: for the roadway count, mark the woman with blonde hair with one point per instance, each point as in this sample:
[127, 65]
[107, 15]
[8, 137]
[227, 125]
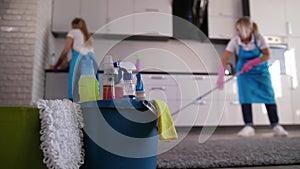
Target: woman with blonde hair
[80, 42]
[254, 81]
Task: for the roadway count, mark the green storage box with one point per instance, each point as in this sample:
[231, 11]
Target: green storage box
[20, 138]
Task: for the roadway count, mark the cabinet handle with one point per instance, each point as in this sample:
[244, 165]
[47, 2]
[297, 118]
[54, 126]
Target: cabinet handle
[158, 88]
[151, 32]
[289, 28]
[200, 78]
[158, 77]
[151, 10]
[234, 102]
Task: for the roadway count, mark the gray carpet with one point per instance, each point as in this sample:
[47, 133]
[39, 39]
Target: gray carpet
[237, 152]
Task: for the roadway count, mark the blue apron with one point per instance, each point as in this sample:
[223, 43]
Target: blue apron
[254, 86]
[73, 70]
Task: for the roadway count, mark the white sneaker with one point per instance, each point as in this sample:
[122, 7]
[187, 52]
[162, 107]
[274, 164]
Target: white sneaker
[247, 131]
[278, 130]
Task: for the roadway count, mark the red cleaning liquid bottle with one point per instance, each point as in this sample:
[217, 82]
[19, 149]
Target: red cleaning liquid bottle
[108, 78]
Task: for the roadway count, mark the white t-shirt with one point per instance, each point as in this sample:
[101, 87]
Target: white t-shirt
[78, 41]
[235, 42]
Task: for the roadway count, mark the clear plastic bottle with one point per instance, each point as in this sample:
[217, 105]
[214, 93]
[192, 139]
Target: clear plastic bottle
[88, 86]
[128, 85]
[108, 78]
[52, 61]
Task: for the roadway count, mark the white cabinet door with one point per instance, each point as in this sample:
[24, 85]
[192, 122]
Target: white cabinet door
[56, 85]
[222, 16]
[193, 86]
[153, 17]
[221, 27]
[294, 43]
[94, 12]
[162, 87]
[231, 8]
[293, 21]
[232, 114]
[270, 16]
[284, 100]
[64, 11]
[119, 17]
[193, 115]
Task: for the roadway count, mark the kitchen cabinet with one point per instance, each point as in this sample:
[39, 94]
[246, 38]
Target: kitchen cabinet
[222, 16]
[270, 17]
[294, 45]
[115, 17]
[283, 97]
[221, 107]
[178, 90]
[143, 17]
[119, 18]
[93, 11]
[154, 17]
[281, 18]
[162, 87]
[232, 114]
[61, 20]
[293, 21]
[190, 88]
[56, 85]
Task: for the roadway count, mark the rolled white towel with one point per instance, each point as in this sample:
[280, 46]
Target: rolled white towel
[61, 134]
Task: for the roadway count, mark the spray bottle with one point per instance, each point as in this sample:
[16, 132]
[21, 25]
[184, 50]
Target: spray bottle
[118, 80]
[128, 86]
[88, 86]
[139, 88]
[108, 78]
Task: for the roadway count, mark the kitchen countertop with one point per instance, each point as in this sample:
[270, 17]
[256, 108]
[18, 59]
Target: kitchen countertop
[146, 72]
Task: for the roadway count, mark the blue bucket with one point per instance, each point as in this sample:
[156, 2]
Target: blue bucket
[119, 133]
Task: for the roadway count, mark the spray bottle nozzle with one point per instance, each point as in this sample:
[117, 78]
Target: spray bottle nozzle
[127, 67]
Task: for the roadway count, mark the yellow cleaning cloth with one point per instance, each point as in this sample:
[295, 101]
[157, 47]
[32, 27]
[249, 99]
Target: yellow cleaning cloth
[166, 128]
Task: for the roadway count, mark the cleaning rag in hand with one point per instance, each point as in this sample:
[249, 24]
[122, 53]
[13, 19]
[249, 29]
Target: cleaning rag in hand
[166, 128]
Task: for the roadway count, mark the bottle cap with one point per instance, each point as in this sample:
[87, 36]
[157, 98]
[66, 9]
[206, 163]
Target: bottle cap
[138, 62]
[108, 59]
[117, 64]
[108, 66]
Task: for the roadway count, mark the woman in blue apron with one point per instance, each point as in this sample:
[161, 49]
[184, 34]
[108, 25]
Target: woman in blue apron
[254, 81]
[79, 41]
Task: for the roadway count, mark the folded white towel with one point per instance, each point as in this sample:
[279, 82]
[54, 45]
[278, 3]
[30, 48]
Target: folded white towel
[61, 134]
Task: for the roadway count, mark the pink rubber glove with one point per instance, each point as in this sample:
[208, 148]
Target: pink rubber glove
[220, 81]
[249, 65]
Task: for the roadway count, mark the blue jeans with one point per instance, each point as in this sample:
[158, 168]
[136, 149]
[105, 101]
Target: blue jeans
[271, 109]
